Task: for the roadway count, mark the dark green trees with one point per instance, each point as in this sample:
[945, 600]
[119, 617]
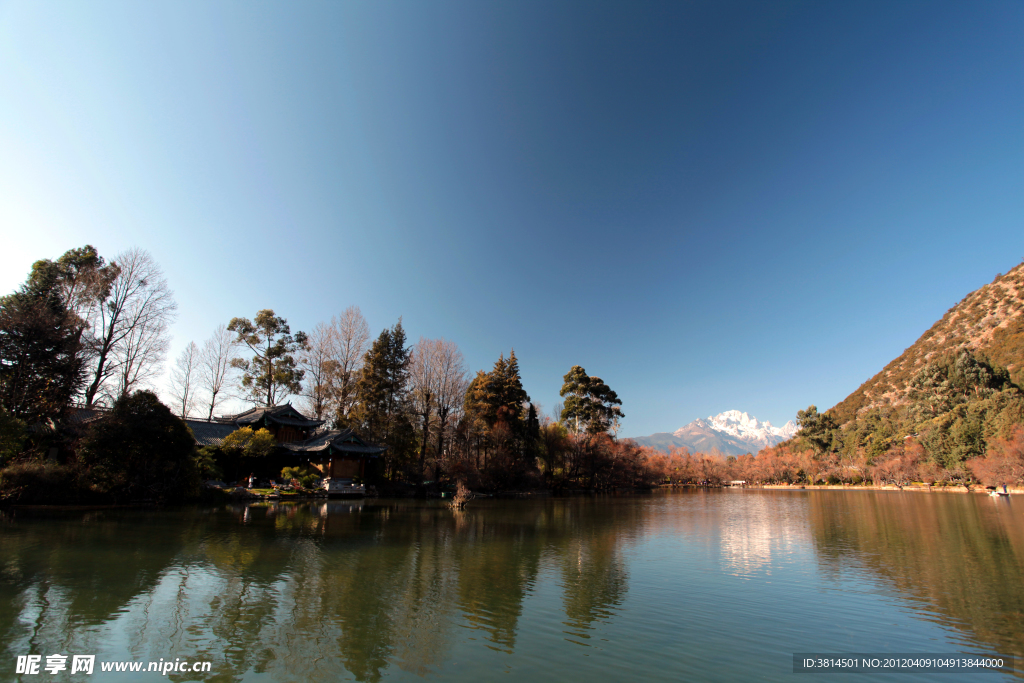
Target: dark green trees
[498, 396]
[140, 451]
[40, 361]
[271, 374]
[590, 405]
[816, 428]
[383, 384]
[13, 433]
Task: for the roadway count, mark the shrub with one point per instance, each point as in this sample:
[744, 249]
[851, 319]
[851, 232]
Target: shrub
[141, 451]
[12, 436]
[42, 482]
[258, 444]
[305, 475]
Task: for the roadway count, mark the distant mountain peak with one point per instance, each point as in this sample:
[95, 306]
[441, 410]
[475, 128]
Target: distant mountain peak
[732, 432]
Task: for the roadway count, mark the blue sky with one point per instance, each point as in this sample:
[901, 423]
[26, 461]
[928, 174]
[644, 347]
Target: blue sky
[712, 206]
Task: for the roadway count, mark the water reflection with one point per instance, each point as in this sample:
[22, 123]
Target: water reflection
[960, 556]
[305, 589]
[372, 588]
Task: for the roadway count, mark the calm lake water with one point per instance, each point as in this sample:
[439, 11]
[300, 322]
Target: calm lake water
[698, 585]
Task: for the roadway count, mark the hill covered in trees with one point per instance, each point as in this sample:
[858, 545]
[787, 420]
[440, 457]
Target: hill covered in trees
[949, 408]
[988, 322]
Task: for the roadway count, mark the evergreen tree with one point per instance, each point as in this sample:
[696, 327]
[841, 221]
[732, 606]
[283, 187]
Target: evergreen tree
[271, 375]
[41, 367]
[590, 404]
[818, 429]
[141, 451]
[498, 396]
[381, 393]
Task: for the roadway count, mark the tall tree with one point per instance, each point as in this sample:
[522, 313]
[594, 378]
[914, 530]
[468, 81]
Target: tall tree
[353, 336]
[818, 429]
[318, 362]
[590, 405]
[271, 374]
[452, 384]
[83, 280]
[139, 358]
[185, 380]
[40, 364]
[215, 366]
[423, 376]
[498, 396]
[382, 390]
[129, 332]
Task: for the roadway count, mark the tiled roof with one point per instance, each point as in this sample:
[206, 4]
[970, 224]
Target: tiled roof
[210, 433]
[80, 415]
[337, 440]
[284, 415]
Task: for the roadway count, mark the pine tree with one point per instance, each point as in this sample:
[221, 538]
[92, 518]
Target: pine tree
[590, 404]
[381, 392]
[271, 374]
[498, 396]
[41, 366]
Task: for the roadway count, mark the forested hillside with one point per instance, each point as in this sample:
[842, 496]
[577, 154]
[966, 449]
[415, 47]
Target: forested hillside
[989, 322]
[949, 408]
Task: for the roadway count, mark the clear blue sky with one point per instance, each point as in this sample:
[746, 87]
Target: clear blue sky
[749, 205]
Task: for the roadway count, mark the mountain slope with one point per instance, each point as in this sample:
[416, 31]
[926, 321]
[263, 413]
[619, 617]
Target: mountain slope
[989, 322]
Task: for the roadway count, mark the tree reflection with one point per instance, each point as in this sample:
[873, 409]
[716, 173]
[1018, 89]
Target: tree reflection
[942, 548]
[303, 591]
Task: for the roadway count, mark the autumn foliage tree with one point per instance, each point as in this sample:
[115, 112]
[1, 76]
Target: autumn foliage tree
[1004, 461]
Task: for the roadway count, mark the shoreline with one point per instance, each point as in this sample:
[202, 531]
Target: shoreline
[1012, 490]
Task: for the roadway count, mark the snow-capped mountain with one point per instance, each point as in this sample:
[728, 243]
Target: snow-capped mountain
[731, 432]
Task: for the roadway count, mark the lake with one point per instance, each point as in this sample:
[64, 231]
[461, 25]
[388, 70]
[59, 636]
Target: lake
[707, 585]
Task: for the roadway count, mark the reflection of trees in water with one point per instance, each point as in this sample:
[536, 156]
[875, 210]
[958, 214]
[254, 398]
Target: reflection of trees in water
[55, 589]
[304, 592]
[594, 576]
[961, 554]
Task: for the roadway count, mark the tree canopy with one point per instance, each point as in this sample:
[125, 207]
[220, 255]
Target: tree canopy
[498, 395]
[816, 428]
[590, 404]
[141, 451]
[271, 374]
[249, 443]
[41, 366]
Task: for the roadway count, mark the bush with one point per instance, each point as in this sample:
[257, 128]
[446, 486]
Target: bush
[258, 444]
[207, 462]
[141, 451]
[40, 482]
[305, 475]
[12, 436]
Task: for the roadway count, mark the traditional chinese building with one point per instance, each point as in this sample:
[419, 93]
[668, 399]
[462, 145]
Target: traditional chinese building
[338, 454]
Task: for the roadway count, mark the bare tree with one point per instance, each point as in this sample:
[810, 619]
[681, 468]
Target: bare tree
[319, 361]
[140, 356]
[452, 384]
[353, 338]
[215, 366]
[185, 380]
[423, 384]
[130, 332]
